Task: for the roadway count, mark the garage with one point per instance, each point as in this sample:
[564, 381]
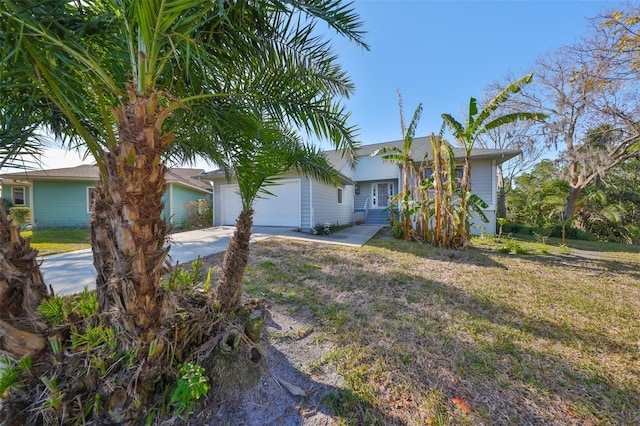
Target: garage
[281, 209]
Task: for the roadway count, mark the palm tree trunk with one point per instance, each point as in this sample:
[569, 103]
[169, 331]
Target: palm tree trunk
[22, 289]
[128, 233]
[228, 289]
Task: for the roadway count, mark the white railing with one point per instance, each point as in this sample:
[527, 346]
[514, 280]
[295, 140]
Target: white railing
[366, 210]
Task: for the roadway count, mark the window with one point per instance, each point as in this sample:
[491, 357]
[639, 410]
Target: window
[91, 192]
[339, 195]
[429, 172]
[17, 196]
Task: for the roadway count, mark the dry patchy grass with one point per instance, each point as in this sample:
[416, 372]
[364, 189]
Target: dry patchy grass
[428, 336]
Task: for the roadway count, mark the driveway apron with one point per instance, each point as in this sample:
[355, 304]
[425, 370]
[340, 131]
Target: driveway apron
[71, 272]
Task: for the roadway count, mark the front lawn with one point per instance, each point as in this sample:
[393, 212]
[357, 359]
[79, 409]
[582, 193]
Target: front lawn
[426, 336]
[52, 241]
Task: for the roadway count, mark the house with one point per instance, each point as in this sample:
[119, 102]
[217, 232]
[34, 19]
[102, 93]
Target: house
[362, 194]
[61, 198]
[297, 201]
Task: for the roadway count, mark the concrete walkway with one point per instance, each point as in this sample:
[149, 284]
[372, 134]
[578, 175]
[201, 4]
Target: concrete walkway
[70, 272]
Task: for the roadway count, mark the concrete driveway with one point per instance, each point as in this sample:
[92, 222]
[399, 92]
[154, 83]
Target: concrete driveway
[70, 272]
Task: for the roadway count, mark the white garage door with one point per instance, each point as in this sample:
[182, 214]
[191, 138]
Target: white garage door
[281, 209]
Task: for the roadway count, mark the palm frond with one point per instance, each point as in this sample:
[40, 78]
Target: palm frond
[500, 98]
[454, 125]
[511, 118]
[411, 130]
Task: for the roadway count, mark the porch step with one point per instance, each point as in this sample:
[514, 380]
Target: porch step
[377, 217]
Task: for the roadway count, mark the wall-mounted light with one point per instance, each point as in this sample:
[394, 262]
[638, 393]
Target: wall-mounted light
[357, 189]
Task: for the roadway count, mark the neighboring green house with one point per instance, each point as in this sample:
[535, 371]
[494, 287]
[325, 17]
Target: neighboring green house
[61, 198]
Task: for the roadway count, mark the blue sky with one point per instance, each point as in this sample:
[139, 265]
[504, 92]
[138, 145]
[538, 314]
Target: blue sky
[438, 53]
[441, 53]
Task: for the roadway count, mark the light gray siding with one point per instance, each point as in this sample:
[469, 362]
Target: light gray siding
[476, 222]
[305, 198]
[482, 173]
[365, 192]
[373, 168]
[326, 207]
[217, 204]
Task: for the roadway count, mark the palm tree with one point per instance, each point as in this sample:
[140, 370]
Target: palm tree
[477, 123]
[139, 83]
[22, 287]
[255, 162]
[131, 76]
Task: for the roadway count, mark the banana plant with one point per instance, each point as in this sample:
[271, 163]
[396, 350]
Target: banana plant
[411, 178]
[477, 123]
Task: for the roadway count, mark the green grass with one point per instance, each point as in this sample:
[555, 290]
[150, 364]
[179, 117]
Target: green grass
[428, 336]
[52, 241]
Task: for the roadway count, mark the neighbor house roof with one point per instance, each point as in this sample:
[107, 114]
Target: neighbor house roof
[420, 147]
[186, 177]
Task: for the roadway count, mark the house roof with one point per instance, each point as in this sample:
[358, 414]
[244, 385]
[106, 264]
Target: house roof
[420, 147]
[183, 176]
[219, 175]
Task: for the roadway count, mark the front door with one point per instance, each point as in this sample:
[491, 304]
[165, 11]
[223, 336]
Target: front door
[380, 195]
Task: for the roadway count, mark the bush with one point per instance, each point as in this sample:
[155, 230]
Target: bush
[327, 228]
[571, 233]
[200, 213]
[516, 228]
[396, 230]
[20, 215]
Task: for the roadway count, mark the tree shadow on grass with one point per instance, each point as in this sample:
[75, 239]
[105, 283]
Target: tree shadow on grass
[477, 257]
[577, 261]
[284, 395]
[512, 365]
[499, 374]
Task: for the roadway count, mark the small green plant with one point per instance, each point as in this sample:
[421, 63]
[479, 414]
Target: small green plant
[191, 385]
[181, 278]
[54, 397]
[564, 228]
[85, 303]
[206, 285]
[322, 229]
[93, 337]
[506, 248]
[564, 249]
[541, 237]
[55, 345]
[501, 222]
[520, 250]
[53, 310]
[196, 268]
[99, 364]
[397, 230]
[11, 370]
[511, 246]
